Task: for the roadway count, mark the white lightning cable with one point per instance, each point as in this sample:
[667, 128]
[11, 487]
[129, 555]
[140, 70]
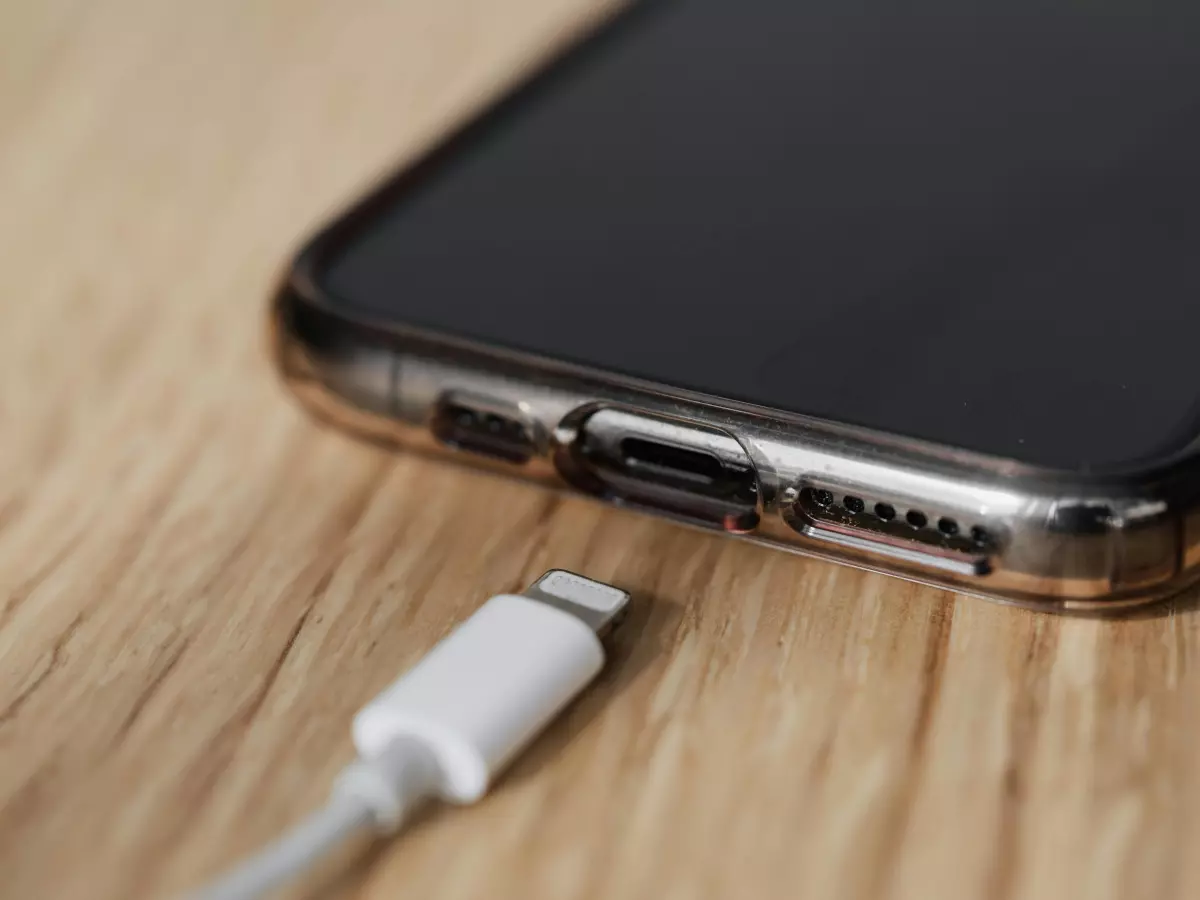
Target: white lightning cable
[445, 728]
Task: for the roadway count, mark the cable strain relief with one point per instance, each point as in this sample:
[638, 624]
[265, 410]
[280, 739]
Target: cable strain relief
[392, 784]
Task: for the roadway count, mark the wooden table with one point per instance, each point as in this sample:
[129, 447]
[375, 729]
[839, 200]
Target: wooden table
[198, 587]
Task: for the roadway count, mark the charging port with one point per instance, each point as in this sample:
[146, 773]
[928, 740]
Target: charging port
[689, 471]
[481, 427]
[674, 463]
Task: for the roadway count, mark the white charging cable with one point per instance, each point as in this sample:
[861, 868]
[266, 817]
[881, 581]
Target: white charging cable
[445, 728]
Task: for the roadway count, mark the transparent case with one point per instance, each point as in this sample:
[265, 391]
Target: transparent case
[960, 520]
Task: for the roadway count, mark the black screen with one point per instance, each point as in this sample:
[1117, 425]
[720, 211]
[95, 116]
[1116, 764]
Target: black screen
[972, 222]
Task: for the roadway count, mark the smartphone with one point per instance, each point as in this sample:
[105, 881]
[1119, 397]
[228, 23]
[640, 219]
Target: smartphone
[911, 286]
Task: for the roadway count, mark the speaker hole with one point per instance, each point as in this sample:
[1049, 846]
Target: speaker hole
[916, 518]
[947, 526]
[885, 511]
[981, 537]
[822, 498]
[853, 504]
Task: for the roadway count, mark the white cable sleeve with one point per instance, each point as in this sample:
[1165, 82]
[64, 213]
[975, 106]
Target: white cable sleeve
[293, 853]
[482, 693]
[370, 795]
[452, 722]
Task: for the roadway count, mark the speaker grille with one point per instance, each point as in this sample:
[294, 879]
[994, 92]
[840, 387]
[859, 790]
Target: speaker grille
[891, 517]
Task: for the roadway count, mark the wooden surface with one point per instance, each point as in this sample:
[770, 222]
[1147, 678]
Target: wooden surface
[198, 587]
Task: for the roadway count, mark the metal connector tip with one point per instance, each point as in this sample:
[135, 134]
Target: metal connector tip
[601, 606]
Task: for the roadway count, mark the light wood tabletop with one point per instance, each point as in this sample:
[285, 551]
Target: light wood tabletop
[198, 586]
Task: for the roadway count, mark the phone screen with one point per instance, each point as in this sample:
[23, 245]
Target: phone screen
[973, 223]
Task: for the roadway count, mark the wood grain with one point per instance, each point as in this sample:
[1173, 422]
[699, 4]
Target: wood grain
[198, 586]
